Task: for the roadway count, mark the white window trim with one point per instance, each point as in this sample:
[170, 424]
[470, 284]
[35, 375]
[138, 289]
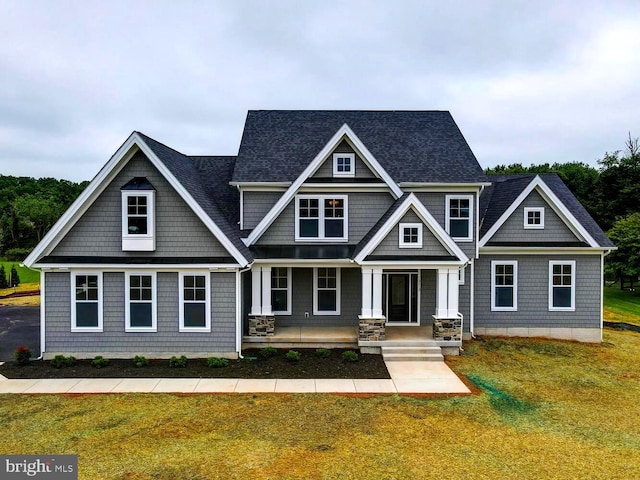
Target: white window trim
[288, 310]
[207, 301]
[494, 308]
[315, 293]
[321, 219]
[145, 242]
[127, 302]
[352, 172]
[526, 218]
[572, 308]
[402, 243]
[461, 275]
[74, 328]
[448, 199]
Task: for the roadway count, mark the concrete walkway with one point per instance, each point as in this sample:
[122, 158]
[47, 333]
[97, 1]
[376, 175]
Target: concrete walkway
[406, 377]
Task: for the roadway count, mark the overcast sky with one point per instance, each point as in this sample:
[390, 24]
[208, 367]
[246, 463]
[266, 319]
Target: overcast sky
[526, 81]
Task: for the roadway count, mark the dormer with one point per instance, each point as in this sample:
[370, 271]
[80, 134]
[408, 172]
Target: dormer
[138, 216]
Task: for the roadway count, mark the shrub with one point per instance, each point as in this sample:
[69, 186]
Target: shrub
[17, 254]
[268, 352]
[99, 362]
[22, 355]
[178, 362]
[217, 362]
[140, 361]
[3, 278]
[60, 361]
[293, 356]
[349, 356]
[322, 352]
[14, 278]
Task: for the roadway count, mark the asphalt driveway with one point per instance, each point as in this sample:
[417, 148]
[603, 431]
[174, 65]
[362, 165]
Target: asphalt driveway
[19, 326]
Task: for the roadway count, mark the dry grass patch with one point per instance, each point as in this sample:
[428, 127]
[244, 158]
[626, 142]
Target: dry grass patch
[30, 301]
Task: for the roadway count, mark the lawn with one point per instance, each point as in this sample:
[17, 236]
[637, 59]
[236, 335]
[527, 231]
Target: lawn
[621, 305]
[544, 409]
[26, 275]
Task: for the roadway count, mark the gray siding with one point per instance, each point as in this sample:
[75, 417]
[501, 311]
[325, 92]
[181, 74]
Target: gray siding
[464, 300]
[555, 230]
[326, 169]
[533, 294]
[99, 230]
[114, 339]
[427, 296]
[365, 209]
[256, 205]
[430, 244]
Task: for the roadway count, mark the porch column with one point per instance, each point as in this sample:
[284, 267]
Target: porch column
[442, 296]
[377, 293]
[256, 305]
[266, 291]
[452, 303]
[366, 293]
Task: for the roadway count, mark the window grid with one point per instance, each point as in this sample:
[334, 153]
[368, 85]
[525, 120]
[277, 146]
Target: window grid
[137, 217]
[86, 288]
[562, 285]
[327, 292]
[280, 296]
[321, 218]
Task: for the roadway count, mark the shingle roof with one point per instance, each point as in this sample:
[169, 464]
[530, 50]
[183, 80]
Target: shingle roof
[412, 146]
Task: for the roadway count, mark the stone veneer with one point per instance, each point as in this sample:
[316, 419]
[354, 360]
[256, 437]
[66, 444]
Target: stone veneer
[447, 329]
[371, 329]
[262, 326]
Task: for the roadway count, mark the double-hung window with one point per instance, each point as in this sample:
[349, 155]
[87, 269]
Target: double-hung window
[138, 215]
[86, 302]
[195, 304]
[562, 285]
[281, 290]
[344, 165]
[410, 235]
[459, 217]
[140, 302]
[321, 217]
[326, 291]
[534, 217]
[504, 286]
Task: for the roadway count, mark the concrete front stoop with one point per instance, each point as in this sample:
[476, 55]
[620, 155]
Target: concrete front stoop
[412, 351]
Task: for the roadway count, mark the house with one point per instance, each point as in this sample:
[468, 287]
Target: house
[364, 222]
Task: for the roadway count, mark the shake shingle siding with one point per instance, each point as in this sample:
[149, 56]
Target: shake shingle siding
[390, 244]
[256, 205]
[428, 279]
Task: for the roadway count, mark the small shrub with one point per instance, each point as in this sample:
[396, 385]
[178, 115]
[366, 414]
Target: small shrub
[349, 356]
[268, 352]
[14, 278]
[4, 283]
[99, 362]
[178, 362]
[293, 356]
[217, 362]
[22, 355]
[322, 352]
[60, 361]
[140, 361]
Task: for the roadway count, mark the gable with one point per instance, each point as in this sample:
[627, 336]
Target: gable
[179, 232]
[325, 170]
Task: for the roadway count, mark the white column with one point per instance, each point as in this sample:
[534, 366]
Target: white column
[452, 304]
[366, 293]
[442, 296]
[377, 293]
[256, 305]
[266, 291]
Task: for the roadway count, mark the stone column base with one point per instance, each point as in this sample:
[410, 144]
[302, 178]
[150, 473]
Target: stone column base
[447, 329]
[371, 329]
[262, 325]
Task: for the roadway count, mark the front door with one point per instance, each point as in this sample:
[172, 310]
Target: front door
[400, 298]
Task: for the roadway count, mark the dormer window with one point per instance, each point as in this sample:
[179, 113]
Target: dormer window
[534, 217]
[344, 165]
[138, 216]
[410, 235]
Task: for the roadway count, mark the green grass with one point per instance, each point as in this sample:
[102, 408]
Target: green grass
[621, 305]
[543, 409]
[26, 275]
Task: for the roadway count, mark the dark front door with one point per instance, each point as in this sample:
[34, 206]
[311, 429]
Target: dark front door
[400, 297]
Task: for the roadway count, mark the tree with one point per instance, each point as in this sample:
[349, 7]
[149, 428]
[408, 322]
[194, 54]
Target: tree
[3, 278]
[625, 234]
[14, 278]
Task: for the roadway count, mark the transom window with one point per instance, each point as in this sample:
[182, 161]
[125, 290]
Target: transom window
[86, 310]
[344, 165]
[410, 235]
[534, 217]
[195, 311]
[140, 309]
[326, 297]
[504, 286]
[281, 290]
[321, 218]
[459, 217]
[562, 291]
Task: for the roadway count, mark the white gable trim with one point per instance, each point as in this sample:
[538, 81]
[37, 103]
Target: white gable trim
[343, 133]
[426, 218]
[554, 202]
[100, 183]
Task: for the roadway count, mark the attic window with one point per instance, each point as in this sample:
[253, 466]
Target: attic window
[410, 235]
[138, 215]
[534, 217]
[344, 165]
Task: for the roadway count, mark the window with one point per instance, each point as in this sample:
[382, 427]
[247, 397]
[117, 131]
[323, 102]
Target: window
[321, 218]
[195, 307]
[534, 217]
[459, 217]
[344, 165]
[562, 285]
[140, 304]
[410, 235]
[281, 290]
[138, 220]
[86, 302]
[504, 286]
[326, 291]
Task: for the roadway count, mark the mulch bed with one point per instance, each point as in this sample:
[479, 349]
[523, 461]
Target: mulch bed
[622, 326]
[252, 366]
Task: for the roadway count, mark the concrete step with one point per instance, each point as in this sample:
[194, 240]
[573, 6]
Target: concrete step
[409, 343]
[425, 350]
[412, 354]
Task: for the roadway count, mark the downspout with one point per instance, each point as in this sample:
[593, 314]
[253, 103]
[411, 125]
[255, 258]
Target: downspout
[239, 310]
[42, 307]
[472, 286]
